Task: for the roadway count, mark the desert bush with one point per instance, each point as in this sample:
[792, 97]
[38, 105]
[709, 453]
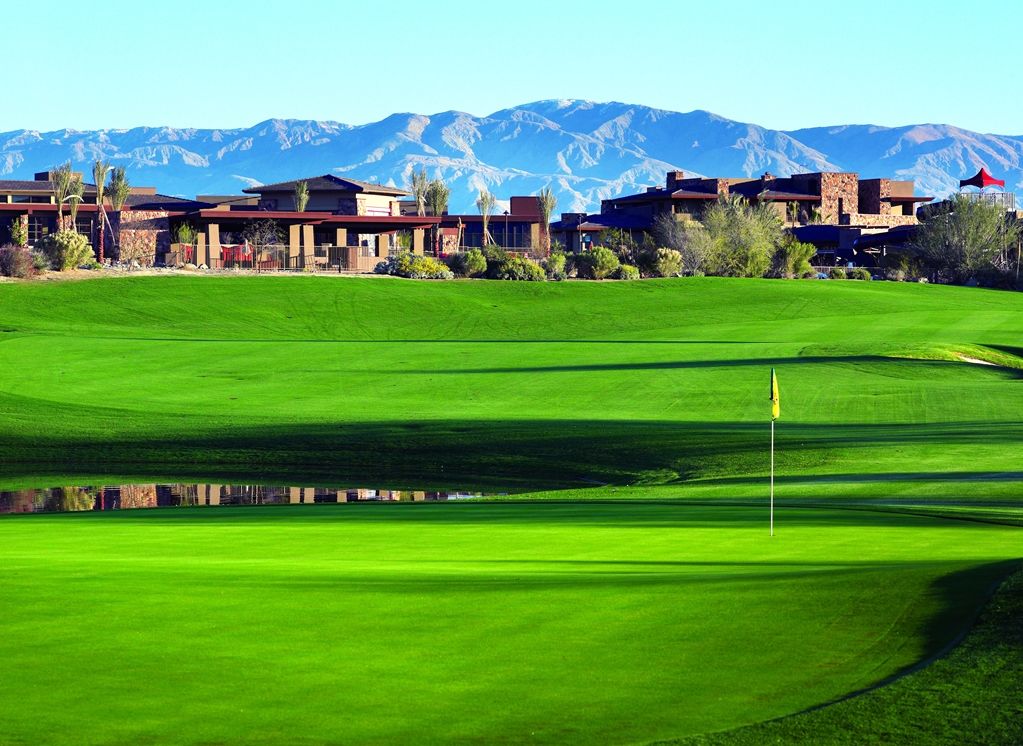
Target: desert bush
[667, 263]
[16, 261]
[597, 263]
[66, 250]
[792, 258]
[738, 239]
[859, 274]
[627, 272]
[520, 268]
[474, 264]
[19, 231]
[471, 263]
[555, 266]
[837, 273]
[496, 258]
[414, 266]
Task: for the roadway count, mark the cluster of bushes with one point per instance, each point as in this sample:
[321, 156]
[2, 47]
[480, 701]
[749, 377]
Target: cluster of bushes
[414, 266]
[858, 273]
[66, 250]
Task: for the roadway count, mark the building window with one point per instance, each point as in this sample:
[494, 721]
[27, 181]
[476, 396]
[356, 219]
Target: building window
[38, 227]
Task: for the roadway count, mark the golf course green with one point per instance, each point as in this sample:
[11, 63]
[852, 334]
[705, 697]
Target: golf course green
[626, 590]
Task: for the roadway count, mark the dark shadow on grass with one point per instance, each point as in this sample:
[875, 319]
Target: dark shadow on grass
[458, 454]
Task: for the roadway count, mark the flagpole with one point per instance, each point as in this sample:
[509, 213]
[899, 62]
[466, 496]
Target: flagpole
[772, 477]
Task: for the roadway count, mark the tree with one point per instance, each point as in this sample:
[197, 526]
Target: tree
[437, 194]
[99, 178]
[265, 235]
[738, 239]
[119, 190]
[60, 179]
[419, 185]
[677, 232]
[485, 204]
[301, 196]
[547, 202]
[964, 238]
[75, 195]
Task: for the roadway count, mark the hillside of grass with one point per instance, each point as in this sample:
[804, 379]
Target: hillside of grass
[521, 386]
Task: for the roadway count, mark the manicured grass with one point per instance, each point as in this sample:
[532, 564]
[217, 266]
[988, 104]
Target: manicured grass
[474, 622]
[663, 611]
[969, 697]
[515, 384]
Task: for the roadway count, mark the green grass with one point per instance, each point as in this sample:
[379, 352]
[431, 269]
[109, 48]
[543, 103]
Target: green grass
[515, 385]
[969, 697]
[662, 612]
[473, 622]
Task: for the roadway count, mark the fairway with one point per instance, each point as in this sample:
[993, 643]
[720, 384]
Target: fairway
[550, 623]
[516, 385]
[624, 590]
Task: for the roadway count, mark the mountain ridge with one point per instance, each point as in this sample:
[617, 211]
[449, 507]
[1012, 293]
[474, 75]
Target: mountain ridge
[584, 150]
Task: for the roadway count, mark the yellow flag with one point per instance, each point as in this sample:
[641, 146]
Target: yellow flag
[775, 400]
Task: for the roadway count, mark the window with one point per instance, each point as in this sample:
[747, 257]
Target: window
[38, 227]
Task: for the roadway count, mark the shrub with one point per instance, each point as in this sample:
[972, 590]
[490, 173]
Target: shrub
[792, 258]
[19, 231]
[667, 263]
[555, 266]
[627, 272]
[859, 274]
[895, 275]
[597, 263]
[474, 264]
[414, 266]
[837, 273]
[521, 268]
[66, 250]
[16, 261]
[496, 258]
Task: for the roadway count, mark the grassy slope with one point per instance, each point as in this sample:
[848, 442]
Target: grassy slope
[551, 623]
[969, 697]
[455, 384]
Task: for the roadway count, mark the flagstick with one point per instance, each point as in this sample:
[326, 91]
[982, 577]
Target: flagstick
[772, 477]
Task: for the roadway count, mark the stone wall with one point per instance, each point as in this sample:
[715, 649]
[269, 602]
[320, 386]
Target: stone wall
[143, 235]
[867, 220]
[835, 187]
[873, 196]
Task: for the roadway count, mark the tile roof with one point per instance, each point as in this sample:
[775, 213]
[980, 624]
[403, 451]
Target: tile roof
[327, 183]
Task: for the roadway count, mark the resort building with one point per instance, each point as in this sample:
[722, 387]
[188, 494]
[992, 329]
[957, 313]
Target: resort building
[515, 229]
[849, 205]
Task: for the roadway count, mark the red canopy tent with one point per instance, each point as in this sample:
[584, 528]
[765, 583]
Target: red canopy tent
[982, 180]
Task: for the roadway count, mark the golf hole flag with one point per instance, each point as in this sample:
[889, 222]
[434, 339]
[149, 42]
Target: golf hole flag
[775, 401]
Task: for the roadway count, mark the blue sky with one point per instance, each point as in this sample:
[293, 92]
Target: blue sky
[782, 64]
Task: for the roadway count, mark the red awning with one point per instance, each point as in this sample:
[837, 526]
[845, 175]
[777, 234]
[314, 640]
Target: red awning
[981, 180]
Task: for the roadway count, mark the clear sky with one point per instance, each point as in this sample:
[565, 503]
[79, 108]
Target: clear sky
[781, 63]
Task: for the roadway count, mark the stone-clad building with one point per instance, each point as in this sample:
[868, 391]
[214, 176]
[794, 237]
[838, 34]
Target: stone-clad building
[850, 205]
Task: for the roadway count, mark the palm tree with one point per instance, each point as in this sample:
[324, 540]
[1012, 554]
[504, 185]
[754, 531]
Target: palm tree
[75, 194]
[301, 196]
[485, 204]
[437, 200]
[119, 191]
[547, 202]
[61, 178]
[419, 185]
[99, 178]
